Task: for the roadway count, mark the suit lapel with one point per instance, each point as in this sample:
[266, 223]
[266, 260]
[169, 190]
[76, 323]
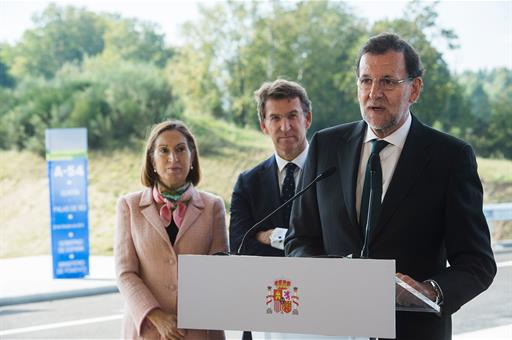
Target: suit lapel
[349, 153]
[194, 209]
[413, 159]
[269, 181]
[150, 213]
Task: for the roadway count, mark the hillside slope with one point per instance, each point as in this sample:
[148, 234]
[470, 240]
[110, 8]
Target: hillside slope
[225, 151]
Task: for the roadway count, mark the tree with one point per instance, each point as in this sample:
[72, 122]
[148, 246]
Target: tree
[314, 43]
[490, 94]
[78, 68]
[60, 35]
[234, 47]
[196, 70]
[135, 40]
[65, 35]
[115, 102]
[122, 100]
[6, 80]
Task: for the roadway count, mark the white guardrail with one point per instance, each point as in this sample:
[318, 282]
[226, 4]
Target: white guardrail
[499, 212]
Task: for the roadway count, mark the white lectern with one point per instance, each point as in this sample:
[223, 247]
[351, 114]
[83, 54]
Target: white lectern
[347, 297]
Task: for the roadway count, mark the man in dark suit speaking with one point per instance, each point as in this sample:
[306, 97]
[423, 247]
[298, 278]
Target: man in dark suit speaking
[402, 191]
[284, 112]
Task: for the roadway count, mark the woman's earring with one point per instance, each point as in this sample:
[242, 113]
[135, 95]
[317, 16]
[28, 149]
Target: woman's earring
[191, 167]
[154, 170]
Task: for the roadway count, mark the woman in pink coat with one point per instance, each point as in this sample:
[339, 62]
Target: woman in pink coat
[168, 218]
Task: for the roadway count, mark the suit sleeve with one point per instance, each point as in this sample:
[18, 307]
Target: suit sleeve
[139, 299]
[220, 232]
[472, 265]
[242, 218]
[304, 237]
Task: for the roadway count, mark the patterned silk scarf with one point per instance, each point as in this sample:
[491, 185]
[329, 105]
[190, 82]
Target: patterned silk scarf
[174, 204]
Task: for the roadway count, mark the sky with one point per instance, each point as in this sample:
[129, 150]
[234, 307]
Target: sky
[484, 28]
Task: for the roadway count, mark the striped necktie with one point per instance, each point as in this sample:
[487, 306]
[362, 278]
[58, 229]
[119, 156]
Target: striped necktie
[288, 190]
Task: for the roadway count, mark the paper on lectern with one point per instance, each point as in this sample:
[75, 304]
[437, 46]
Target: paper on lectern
[412, 300]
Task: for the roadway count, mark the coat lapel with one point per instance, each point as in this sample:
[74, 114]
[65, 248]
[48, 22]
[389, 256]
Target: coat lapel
[194, 209]
[349, 153]
[413, 159]
[150, 213]
[273, 200]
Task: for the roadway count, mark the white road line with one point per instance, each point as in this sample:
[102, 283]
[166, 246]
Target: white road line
[60, 325]
[504, 264]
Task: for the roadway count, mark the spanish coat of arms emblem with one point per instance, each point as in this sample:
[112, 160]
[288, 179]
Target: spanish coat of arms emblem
[286, 299]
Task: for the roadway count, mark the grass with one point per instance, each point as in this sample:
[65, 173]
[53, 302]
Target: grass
[496, 175]
[225, 151]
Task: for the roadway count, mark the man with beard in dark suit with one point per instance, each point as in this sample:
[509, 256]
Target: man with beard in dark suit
[403, 191]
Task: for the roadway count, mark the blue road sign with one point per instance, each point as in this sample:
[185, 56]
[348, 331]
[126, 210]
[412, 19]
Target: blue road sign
[67, 172]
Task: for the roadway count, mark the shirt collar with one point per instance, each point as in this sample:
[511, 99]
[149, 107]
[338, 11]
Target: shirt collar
[397, 138]
[298, 161]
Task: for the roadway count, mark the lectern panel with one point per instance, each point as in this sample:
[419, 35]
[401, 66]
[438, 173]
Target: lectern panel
[353, 297]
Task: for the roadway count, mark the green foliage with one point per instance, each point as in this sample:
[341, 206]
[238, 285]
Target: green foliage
[125, 96]
[117, 77]
[490, 94]
[230, 59]
[195, 70]
[81, 69]
[37, 104]
[6, 79]
[68, 35]
[113, 103]
[441, 102]
[134, 40]
[61, 35]
[320, 55]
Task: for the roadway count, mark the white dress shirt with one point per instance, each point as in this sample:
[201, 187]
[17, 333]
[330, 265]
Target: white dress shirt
[388, 158]
[298, 161]
[278, 234]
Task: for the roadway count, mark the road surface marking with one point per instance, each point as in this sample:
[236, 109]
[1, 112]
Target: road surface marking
[60, 325]
[504, 264]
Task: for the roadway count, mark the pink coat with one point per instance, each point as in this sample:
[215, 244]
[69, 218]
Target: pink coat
[146, 262]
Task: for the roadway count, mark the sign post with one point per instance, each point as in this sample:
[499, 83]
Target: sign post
[66, 156]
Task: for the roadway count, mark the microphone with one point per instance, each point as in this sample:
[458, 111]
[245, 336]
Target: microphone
[318, 178]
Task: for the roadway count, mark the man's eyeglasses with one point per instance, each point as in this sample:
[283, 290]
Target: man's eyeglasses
[386, 83]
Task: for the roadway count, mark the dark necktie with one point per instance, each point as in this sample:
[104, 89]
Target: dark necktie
[288, 190]
[373, 185]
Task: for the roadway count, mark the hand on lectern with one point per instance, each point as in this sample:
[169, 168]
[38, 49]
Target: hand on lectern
[424, 288]
[166, 324]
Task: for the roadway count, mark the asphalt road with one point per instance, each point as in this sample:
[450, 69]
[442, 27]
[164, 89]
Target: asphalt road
[99, 317]
[491, 308]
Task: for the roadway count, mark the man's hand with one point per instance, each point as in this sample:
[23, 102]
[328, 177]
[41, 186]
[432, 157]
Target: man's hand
[264, 236]
[422, 287]
[166, 324]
